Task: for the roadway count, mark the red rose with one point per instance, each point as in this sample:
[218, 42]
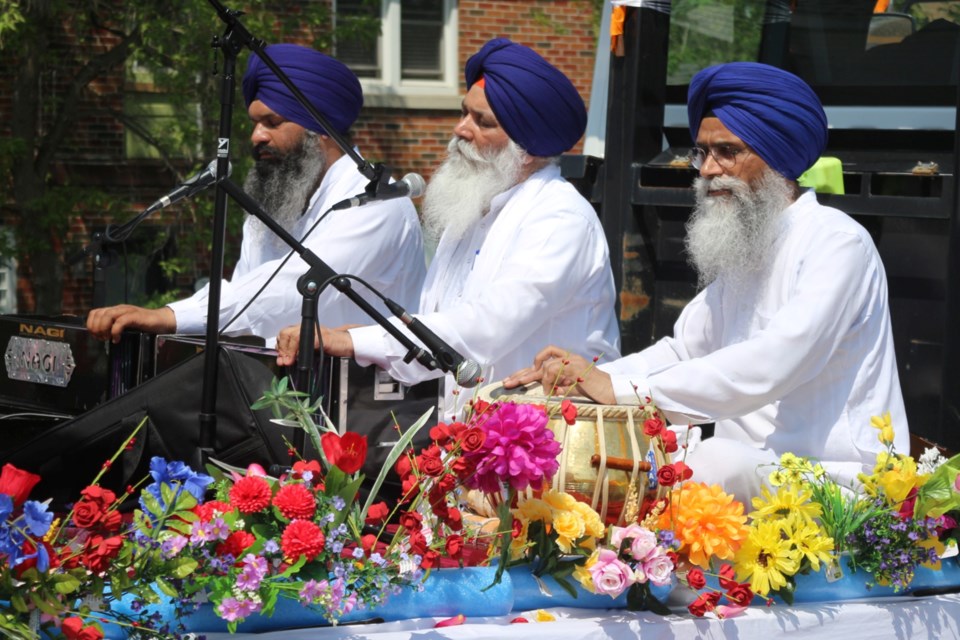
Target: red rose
[377, 513]
[727, 577]
[431, 559]
[404, 465]
[463, 467]
[235, 544]
[431, 466]
[301, 538]
[99, 551]
[705, 602]
[98, 494]
[295, 501]
[207, 510]
[454, 519]
[440, 433]
[446, 484]
[411, 520]
[652, 426]
[669, 439]
[250, 494]
[410, 487]
[17, 483]
[695, 578]
[346, 452]
[740, 595]
[417, 542]
[86, 513]
[73, 629]
[480, 406]
[454, 546]
[569, 411]
[667, 475]
[368, 542]
[683, 471]
[111, 521]
[472, 439]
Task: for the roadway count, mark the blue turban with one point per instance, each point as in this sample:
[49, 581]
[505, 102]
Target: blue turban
[328, 84]
[534, 102]
[770, 109]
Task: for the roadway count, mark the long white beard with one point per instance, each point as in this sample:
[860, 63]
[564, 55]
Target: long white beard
[732, 236]
[462, 187]
[283, 189]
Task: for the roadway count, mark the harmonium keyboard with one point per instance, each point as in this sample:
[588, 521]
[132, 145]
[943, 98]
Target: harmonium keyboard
[54, 368]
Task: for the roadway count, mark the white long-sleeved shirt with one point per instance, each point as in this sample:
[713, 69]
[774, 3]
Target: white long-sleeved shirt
[801, 365]
[535, 270]
[379, 242]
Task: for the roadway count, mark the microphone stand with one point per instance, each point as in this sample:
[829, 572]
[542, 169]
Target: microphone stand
[310, 285]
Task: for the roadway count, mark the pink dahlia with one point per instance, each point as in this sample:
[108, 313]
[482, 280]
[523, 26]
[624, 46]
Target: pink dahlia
[518, 449]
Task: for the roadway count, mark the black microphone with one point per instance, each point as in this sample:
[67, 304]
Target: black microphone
[189, 188]
[411, 185]
[465, 371]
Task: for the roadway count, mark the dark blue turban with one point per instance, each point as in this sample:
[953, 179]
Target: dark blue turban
[534, 102]
[328, 84]
[776, 113]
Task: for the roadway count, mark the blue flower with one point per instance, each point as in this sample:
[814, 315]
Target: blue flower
[37, 517]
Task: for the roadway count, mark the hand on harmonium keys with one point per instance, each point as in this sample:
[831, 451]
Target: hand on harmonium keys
[336, 342]
[108, 323]
[563, 373]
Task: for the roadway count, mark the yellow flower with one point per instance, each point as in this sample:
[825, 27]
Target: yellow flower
[809, 539]
[569, 527]
[893, 475]
[885, 425]
[559, 500]
[591, 519]
[788, 500]
[533, 509]
[542, 615]
[766, 558]
[582, 572]
[706, 521]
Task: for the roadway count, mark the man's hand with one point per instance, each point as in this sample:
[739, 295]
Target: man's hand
[336, 342]
[561, 373]
[108, 323]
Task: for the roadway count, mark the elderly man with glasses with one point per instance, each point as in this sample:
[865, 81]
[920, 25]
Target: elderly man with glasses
[788, 346]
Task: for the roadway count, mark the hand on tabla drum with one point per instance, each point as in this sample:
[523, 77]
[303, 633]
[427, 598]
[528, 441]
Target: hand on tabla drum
[562, 373]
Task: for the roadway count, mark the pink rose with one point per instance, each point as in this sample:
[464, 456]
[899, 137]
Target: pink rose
[659, 568]
[642, 541]
[610, 575]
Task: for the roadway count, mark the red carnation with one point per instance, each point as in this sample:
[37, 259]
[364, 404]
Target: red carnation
[250, 494]
[17, 483]
[295, 501]
[235, 544]
[652, 426]
[472, 439]
[73, 629]
[696, 579]
[569, 411]
[454, 546]
[377, 513]
[301, 538]
[346, 452]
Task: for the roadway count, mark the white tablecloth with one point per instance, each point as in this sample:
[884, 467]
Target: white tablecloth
[930, 618]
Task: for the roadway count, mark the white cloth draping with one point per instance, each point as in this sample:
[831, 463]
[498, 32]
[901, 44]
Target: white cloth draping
[800, 363]
[380, 242]
[888, 618]
[533, 271]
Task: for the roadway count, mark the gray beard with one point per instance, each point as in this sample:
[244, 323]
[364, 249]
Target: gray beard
[462, 187]
[283, 189]
[731, 237]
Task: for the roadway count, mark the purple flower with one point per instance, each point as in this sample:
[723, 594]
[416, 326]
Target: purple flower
[518, 449]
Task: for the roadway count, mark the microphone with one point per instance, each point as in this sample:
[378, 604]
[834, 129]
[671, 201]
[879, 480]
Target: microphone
[411, 185]
[464, 370]
[190, 187]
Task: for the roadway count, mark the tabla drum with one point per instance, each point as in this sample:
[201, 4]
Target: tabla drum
[606, 460]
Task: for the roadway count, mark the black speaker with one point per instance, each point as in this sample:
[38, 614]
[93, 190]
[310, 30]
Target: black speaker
[70, 455]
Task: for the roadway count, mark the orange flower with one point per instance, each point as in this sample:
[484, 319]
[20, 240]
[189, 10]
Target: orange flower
[706, 522]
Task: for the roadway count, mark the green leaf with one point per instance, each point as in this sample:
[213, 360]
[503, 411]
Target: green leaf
[44, 605]
[182, 567]
[18, 603]
[166, 588]
[65, 583]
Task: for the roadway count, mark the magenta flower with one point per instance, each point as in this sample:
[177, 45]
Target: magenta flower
[518, 449]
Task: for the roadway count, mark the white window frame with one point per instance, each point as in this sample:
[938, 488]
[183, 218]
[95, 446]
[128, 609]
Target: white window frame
[390, 90]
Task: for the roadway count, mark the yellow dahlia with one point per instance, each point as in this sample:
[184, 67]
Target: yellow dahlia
[706, 522]
[766, 558]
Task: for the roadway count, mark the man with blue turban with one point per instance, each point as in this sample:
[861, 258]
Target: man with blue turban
[299, 174]
[788, 347]
[521, 256]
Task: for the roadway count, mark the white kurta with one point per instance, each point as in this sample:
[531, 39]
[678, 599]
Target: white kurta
[379, 242]
[533, 271]
[799, 366]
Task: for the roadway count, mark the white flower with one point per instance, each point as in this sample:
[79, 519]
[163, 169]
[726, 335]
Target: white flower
[930, 460]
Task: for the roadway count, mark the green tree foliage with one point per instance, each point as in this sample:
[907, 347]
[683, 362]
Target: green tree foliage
[71, 61]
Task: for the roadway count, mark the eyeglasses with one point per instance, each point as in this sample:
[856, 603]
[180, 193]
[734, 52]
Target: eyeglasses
[725, 155]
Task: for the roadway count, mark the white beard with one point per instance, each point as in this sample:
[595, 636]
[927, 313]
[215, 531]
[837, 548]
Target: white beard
[731, 237]
[283, 189]
[462, 187]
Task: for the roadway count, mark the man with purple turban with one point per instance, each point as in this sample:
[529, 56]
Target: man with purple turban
[521, 257]
[788, 347]
[299, 173]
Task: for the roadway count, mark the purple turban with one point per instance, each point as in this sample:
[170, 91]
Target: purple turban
[534, 102]
[770, 109]
[328, 84]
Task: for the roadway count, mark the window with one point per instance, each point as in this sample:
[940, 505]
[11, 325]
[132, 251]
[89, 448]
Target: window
[413, 62]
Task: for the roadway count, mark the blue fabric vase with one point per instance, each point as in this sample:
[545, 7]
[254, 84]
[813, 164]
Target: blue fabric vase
[529, 594]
